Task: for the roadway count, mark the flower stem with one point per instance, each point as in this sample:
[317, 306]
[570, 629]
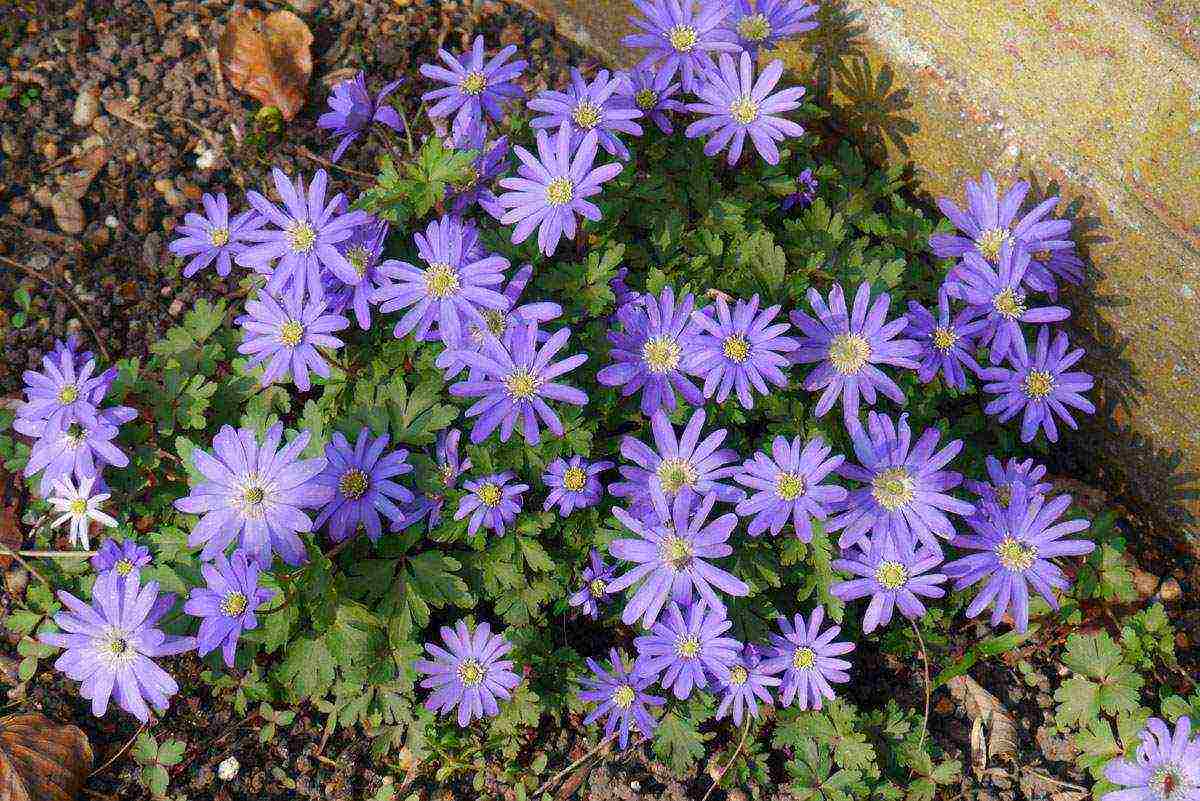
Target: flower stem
[736, 752]
[928, 688]
[562, 774]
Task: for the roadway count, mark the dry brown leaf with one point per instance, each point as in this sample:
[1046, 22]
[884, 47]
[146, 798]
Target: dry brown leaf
[10, 534]
[40, 760]
[993, 730]
[268, 57]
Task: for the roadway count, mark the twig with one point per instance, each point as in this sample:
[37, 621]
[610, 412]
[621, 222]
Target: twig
[207, 744]
[58, 554]
[120, 753]
[10, 552]
[61, 160]
[562, 774]
[304, 152]
[736, 752]
[69, 298]
[928, 688]
[1054, 781]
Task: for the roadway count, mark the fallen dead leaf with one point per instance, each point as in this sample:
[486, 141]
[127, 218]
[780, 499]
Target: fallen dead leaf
[40, 760]
[10, 534]
[89, 165]
[268, 57]
[993, 731]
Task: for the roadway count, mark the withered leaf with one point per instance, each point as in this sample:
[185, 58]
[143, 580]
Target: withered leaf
[268, 57]
[993, 730]
[40, 760]
[10, 534]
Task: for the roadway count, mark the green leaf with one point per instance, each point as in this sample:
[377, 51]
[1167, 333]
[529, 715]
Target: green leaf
[1102, 681]
[307, 668]
[679, 743]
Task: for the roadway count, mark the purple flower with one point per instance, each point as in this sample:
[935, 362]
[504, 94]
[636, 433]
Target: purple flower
[227, 605]
[255, 493]
[988, 223]
[287, 331]
[468, 673]
[652, 92]
[303, 237]
[805, 194]
[1041, 386]
[1165, 767]
[685, 466]
[995, 295]
[518, 377]
[491, 502]
[747, 684]
[574, 484]
[79, 449]
[596, 578]
[357, 287]
[788, 484]
[905, 494]
[680, 35]
[808, 659]
[110, 644]
[553, 187]
[1016, 544]
[741, 351]
[894, 576]
[685, 649]
[71, 347]
[946, 344]
[353, 111]
[490, 164]
[66, 391]
[622, 696]
[672, 556]
[769, 21]
[360, 481]
[451, 288]
[653, 350]
[123, 558]
[734, 105]
[213, 237]
[474, 85]
[449, 469]
[587, 107]
[1006, 478]
[1054, 258]
[849, 347]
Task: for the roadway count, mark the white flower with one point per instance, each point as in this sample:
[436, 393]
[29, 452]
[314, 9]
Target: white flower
[78, 505]
[228, 769]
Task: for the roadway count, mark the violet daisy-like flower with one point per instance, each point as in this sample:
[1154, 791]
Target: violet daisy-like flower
[652, 351]
[596, 578]
[468, 673]
[1165, 767]
[65, 391]
[475, 85]
[449, 467]
[360, 479]
[652, 92]
[550, 189]
[574, 484]
[110, 646]
[450, 288]
[124, 558]
[894, 575]
[302, 238]
[352, 111]
[227, 605]
[476, 190]
[256, 493]
[995, 295]
[850, 346]
[686, 649]
[787, 484]
[904, 497]
[748, 684]
[805, 194]
[740, 351]
[767, 22]
[1053, 259]
[685, 466]
[734, 105]
[80, 449]
[620, 694]
[622, 294]
[808, 659]
[672, 556]
[679, 36]
[285, 333]
[1006, 477]
[1016, 544]
[71, 346]
[356, 288]
[947, 343]
[213, 237]
[80, 507]
[517, 378]
[491, 502]
[589, 106]
[1042, 385]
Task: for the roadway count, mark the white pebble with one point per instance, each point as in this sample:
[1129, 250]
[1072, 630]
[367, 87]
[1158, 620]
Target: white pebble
[111, 221]
[228, 769]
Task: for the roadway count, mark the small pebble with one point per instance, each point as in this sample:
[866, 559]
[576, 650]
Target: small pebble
[228, 769]
[111, 221]
[87, 106]
[1169, 590]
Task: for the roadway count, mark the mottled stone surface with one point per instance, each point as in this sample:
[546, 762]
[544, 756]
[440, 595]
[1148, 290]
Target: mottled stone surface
[1099, 97]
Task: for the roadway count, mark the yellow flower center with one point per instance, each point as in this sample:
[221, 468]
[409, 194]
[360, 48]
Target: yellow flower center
[490, 493]
[891, 575]
[68, 394]
[353, 484]
[291, 333]
[744, 110]
[738, 675]
[849, 353]
[358, 258]
[574, 479]
[674, 474]
[676, 551]
[1168, 781]
[990, 242]
[944, 339]
[645, 99]
[521, 384]
[1038, 384]
[1009, 303]
[219, 237]
[597, 588]
[623, 696]
[470, 673]
[234, 604]
[302, 237]
[441, 280]
[804, 658]
[469, 179]
[1043, 255]
[474, 83]
[75, 434]
[123, 567]
[78, 506]
[662, 354]
[1016, 556]
[253, 496]
[736, 348]
[893, 489]
[586, 115]
[683, 38]
[560, 191]
[789, 486]
[754, 27]
[688, 647]
[118, 646]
